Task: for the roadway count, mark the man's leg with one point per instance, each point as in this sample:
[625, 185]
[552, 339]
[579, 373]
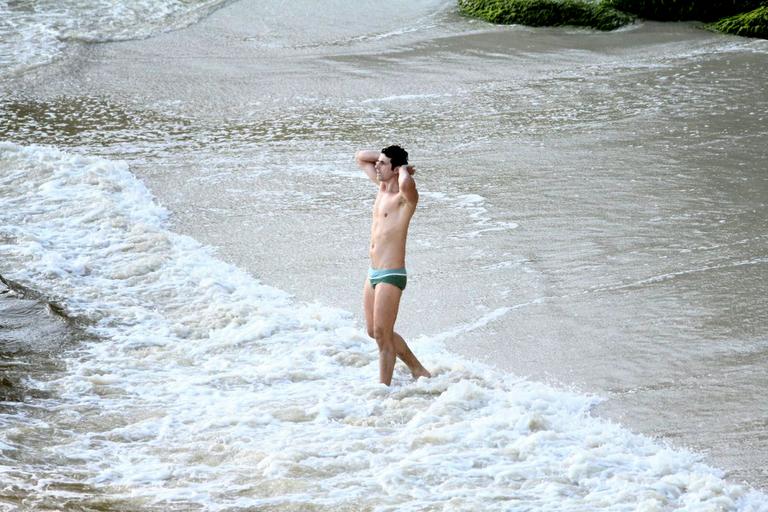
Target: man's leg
[368, 306]
[406, 356]
[401, 348]
[385, 306]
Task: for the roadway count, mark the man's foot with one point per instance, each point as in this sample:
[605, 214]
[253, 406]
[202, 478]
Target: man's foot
[422, 372]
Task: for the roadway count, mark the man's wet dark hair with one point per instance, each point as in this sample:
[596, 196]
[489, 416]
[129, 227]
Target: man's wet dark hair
[397, 155]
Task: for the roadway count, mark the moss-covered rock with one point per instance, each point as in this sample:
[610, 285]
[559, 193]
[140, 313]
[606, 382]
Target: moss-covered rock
[679, 10]
[741, 17]
[749, 24]
[539, 13]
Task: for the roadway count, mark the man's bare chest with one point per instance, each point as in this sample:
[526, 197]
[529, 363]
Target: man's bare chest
[388, 206]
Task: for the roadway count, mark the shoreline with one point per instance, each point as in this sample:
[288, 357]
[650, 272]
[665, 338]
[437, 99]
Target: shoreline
[192, 214]
[39, 333]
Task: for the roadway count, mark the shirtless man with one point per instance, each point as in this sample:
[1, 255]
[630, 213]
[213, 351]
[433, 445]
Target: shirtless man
[392, 212]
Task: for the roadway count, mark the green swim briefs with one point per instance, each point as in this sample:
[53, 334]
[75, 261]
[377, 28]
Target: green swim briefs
[395, 276]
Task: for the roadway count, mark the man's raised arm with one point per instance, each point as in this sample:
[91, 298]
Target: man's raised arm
[366, 160]
[407, 184]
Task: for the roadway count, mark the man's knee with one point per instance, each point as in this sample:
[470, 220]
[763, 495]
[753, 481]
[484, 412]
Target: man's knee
[384, 337]
[381, 332]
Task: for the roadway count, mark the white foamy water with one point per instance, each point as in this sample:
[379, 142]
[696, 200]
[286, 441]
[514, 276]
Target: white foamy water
[206, 388]
[36, 32]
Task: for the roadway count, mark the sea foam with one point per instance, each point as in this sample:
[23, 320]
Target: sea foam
[205, 388]
[35, 32]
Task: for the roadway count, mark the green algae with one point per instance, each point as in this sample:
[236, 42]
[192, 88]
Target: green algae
[538, 13]
[749, 24]
[747, 18]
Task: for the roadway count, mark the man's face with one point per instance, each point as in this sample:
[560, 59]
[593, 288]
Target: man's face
[384, 169]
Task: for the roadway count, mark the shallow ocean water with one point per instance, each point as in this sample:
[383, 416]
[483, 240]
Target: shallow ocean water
[592, 216]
